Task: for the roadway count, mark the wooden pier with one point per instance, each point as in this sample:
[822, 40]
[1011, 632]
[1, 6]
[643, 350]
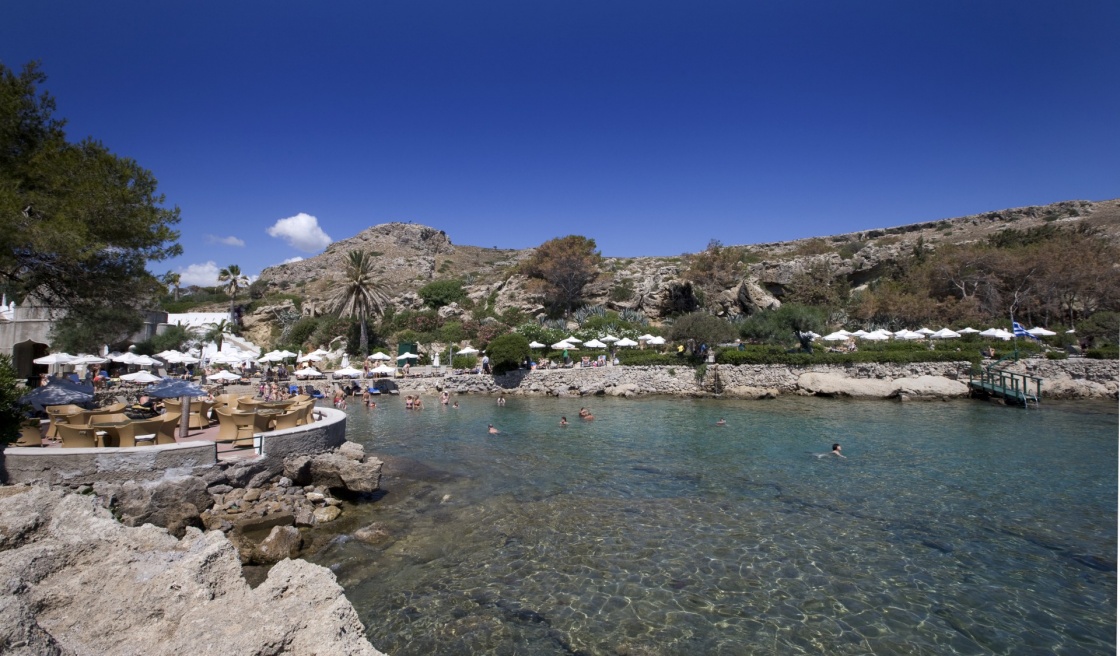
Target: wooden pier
[1012, 388]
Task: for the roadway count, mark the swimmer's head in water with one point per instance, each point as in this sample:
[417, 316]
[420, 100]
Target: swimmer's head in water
[836, 447]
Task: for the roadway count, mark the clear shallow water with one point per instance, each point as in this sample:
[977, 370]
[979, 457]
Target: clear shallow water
[952, 528]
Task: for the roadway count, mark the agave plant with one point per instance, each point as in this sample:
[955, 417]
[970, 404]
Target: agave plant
[633, 317]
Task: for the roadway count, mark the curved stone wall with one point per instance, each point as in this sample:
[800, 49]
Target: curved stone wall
[75, 467]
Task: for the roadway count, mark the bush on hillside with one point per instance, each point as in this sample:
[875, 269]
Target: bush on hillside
[507, 352]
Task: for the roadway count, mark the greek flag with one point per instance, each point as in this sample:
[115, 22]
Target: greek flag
[1020, 331]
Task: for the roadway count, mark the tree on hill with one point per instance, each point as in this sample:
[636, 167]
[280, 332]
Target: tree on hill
[359, 296]
[172, 279]
[78, 224]
[234, 280]
[439, 293]
[562, 268]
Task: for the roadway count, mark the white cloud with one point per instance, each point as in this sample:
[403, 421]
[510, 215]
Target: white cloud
[228, 241]
[292, 259]
[301, 231]
[202, 275]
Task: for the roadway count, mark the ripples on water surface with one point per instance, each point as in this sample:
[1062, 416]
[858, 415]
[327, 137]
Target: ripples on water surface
[952, 528]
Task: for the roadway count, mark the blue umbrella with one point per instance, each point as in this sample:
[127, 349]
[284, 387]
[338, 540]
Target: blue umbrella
[173, 389]
[58, 392]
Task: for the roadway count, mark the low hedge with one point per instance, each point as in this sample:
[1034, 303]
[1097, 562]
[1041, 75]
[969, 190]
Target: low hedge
[778, 356]
[649, 357]
[1104, 353]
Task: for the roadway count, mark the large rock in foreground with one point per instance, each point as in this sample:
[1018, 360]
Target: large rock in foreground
[75, 581]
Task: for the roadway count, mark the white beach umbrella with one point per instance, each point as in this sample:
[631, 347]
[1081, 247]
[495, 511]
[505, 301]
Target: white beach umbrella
[594, 343]
[383, 369]
[944, 333]
[223, 376]
[843, 332]
[996, 333]
[608, 339]
[925, 331]
[379, 356]
[572, 340]
[87, 359]
[124, 358]
[657, 341]
[1071, 331]
[535, 344]
[859, 333]
[625, 341]
[408, 356]
[559, 346]
[348, 372]
[840, 336]
[54, 358]
[467, 350]
[875, 337]
[1041, 332]
[645, 338]
[967, 331]
[307, 372]
[310, 357]
[884, 332]
[908, 334]
[147, 361]
[142, 377]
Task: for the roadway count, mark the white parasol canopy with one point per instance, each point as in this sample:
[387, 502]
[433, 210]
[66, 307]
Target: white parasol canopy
[408, 356]
[379, 356]
[383, 369]
[467, 350]
[944, 333]
[925, 331]
[1041, 332]
[908, 334]
[645, 338]
[625, 341]
[143, 377]
[859, 333]
[559, 346]
[657, 341]
[535, 344]
[309, 372]
[608, 339]
[875, 337]
[224, 376]
[839, 336]
[348, 372]
[54, 358]
[572, 340]
[996, 333]
[967, 331]
[594, 343]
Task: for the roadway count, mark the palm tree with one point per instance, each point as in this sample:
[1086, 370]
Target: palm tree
[231, 275]
[172, 279]
[359, 296]
[218, 332]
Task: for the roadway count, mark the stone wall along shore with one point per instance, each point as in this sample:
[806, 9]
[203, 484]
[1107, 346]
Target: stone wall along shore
[1063, 379]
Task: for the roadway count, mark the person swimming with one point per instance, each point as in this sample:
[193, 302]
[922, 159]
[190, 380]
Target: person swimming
[584, 413]
[492, 430]
[834, 452]
[563, 421]
[721, 422]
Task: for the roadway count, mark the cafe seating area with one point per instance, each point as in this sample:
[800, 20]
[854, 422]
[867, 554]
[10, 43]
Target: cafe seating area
[231, 421]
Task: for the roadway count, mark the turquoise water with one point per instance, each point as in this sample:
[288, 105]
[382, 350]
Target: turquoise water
[951, 528]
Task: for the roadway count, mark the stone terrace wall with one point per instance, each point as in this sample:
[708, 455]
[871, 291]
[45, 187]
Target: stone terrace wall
[1077, 378]
[73, 467]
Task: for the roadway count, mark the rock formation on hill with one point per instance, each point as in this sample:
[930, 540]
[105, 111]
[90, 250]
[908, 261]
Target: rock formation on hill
[409, 256]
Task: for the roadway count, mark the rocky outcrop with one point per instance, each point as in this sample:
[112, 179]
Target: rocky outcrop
[78, 582]
[173, 503]
[349, 468]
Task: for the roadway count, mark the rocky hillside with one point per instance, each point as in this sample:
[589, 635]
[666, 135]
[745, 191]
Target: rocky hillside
[409, 256]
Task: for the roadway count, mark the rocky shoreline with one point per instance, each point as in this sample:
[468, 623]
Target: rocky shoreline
[126, 567]
[1062, 379]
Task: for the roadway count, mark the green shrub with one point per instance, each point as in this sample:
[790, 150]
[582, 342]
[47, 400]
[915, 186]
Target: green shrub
[464, 361]
[649, 357]
[507, 352]
[1104, 353]
[1056, 355]
[774, 355]
[442, 292]
[11, 412]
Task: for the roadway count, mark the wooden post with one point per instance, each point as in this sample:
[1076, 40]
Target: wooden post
[185, 418]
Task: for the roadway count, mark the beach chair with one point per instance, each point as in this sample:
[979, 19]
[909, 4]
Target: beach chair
[169, 428]
[289, 419]
[30, 434]
[77, 436]
[146, 431]
[236, 427]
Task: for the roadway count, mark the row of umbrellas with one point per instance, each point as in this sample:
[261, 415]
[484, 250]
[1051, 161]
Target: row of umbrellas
[86, 359]
[60, 391]
[924, 333]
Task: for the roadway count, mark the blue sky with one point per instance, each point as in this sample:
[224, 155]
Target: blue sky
[652, 127]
